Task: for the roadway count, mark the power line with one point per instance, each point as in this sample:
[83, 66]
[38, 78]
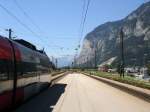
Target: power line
[17, 19]
[24, 25]
[84, 19]
[26, 15]
[56, 37]
[82, 24]
[31, 20]
[82, 16]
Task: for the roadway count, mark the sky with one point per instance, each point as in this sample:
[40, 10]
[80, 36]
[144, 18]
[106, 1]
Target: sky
[55, 24]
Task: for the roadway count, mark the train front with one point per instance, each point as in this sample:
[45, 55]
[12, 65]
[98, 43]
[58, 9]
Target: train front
[24, 72]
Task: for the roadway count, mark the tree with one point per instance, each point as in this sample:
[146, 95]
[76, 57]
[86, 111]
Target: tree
[119, 70]
[148, 66]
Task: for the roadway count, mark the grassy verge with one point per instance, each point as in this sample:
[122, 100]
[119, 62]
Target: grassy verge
[126, 79]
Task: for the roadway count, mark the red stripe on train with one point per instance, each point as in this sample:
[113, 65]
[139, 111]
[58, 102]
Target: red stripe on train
[6, 99]
[19, 96]
[6, 50]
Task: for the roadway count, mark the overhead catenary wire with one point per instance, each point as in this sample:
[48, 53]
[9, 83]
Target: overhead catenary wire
[82, 25]
[82, 16]
[17, 19]
[24, 25]
[27, 15]
[83, 19]
[80, 29]
[33, 22]
[85, 8]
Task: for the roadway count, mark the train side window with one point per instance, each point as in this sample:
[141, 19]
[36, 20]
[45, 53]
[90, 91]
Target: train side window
[19, 69]
[4, 70]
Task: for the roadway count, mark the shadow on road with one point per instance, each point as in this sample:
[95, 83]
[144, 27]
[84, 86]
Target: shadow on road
[45, 101]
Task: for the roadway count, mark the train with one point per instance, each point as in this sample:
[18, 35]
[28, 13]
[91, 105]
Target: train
[24, 72]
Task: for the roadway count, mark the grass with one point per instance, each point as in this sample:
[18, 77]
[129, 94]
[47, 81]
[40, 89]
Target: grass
[126, 79]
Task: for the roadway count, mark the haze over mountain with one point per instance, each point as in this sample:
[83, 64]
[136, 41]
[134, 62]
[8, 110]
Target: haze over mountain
[105, 40]
[65, 61]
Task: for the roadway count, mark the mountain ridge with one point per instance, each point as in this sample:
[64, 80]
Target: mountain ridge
[105, 39]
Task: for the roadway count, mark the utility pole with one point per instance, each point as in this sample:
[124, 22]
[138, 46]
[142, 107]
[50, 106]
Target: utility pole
[87, 60]
[43, 50]
[74, 64]
[95, 64]
[95, 55]
[91, 65]
[14, 69]
[122, 52]
[56, 62]
[10, 32]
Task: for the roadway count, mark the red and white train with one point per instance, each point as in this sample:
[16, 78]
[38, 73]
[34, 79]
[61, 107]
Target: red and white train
[24, 72]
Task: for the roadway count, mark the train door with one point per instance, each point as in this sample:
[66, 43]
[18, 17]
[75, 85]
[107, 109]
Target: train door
[18, 91]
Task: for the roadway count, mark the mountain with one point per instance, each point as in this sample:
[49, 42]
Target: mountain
[65, 61]
[106, 42]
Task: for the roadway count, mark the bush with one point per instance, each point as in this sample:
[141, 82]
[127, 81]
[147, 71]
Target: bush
[119, 68]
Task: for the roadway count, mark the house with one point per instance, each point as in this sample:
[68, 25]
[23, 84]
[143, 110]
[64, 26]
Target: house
[144, 72]
[104, 67]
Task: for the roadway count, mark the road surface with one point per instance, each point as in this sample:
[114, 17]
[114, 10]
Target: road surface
[79, 93]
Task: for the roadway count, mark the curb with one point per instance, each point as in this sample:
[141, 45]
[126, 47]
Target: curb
[141, 93]
[55, 78]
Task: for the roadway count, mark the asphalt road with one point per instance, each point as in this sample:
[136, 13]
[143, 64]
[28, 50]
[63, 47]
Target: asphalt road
[79, 93]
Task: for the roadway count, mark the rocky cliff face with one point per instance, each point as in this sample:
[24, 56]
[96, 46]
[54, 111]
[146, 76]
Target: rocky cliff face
[105, 40]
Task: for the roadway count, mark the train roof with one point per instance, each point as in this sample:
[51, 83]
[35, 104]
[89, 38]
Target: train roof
[29, 45]
[26, 44]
